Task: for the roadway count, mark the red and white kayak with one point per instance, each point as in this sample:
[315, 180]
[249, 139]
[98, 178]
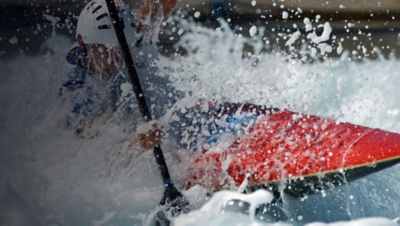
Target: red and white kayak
[307, 152]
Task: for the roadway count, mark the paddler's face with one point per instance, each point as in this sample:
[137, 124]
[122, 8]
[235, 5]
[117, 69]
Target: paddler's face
[103, 61]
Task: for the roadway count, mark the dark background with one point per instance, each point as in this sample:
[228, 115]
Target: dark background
[24, 25]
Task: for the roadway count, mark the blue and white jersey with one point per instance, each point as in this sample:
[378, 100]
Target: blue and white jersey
[85, 94]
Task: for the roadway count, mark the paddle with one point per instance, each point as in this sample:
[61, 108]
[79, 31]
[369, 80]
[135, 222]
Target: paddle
[173, 201]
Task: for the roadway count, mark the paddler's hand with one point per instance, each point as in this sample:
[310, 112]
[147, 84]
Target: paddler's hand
[147, 137]
[151, 138]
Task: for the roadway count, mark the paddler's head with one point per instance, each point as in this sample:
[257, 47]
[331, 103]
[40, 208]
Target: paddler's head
[97, 46]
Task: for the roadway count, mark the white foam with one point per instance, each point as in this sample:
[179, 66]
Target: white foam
[285, 15]
[213, 212]
[327, 30]
[253, 30]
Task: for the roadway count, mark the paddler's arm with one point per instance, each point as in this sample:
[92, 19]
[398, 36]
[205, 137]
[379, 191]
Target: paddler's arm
[167, 7]
[151, 7]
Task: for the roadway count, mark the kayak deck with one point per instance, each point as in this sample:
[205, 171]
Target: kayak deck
[308, 152]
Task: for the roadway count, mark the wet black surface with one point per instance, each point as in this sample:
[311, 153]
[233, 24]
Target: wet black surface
[23, 28]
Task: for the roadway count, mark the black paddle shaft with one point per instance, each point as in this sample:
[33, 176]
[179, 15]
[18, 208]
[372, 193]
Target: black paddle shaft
[133, 76]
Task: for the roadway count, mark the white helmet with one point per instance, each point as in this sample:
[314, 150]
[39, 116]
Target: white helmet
[95, 24]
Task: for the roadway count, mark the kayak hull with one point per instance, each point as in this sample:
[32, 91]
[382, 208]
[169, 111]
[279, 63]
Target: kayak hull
[306, 153]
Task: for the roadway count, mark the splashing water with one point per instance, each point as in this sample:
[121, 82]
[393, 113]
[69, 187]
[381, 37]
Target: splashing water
[99, 180]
